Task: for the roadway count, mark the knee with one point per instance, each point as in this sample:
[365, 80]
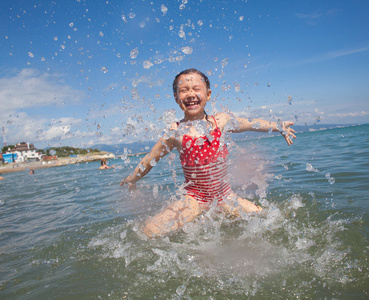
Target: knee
[151, 229]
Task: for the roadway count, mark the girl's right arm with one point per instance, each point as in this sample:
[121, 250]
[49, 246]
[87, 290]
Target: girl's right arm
[161, 148]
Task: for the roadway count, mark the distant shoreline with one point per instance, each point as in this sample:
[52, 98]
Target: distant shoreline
[61, 161]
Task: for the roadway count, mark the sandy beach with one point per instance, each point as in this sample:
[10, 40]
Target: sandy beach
[61, 161]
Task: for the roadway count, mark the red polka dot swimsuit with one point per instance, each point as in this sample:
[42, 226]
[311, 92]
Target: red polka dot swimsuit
[205, 168]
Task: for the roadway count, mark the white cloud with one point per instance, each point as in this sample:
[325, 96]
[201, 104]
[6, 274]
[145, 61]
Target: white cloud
[31, 88]
[348, 114]
[326, 56]
[311, 16]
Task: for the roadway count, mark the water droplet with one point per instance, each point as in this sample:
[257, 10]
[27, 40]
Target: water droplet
[163, 9]
[132, 15]
[101, 34]
[182, 6]
[310, 168]
[133, 54]
[104, 70]
[153, 162]
[225, 62]
[141, 167]
[241, 18]
[289, 100]
[200, 141]
[52, 152]
[40, 131]
[142, 24]
[328, 175]
[200, 22]
[71, 24]
[98, 126]
[237, 87]
[147, 64]
[30, 54]
[331, 180]
[55, 38]
[187, 50]
[181, 34]
[256, 125]
[129, 129]
[180, 290]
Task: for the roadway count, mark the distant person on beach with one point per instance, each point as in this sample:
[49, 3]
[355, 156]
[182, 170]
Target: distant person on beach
[31, 172]
[199, 139]
[2, 178]
[104, 165]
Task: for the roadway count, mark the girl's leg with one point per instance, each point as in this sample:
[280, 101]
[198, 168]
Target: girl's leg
[247, 206]
[172, 217]
[235, 207]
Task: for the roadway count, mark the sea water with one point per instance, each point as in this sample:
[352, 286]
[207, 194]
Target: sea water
[72, 232]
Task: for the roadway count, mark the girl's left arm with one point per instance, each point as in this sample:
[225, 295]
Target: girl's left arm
[260, 125]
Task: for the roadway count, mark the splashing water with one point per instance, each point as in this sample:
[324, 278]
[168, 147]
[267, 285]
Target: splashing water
[134, 53]
[147, 64]
[187, 50]
[310, 168]
[163, 9]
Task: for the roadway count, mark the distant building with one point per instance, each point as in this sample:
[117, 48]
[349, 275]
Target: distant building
[25, 152]
[9, 157]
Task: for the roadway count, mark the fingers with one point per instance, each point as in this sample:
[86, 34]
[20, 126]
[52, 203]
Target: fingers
[289, 132]
[131, 186]
[289, 139]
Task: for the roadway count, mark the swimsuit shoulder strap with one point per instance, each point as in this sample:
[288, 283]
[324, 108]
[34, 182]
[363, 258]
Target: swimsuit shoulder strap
[215, 121]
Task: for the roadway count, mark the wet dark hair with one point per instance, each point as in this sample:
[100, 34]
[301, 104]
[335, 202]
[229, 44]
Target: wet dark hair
[189, 71]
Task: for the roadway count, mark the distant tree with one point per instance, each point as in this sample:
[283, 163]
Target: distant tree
[5, 148]
[66, 151]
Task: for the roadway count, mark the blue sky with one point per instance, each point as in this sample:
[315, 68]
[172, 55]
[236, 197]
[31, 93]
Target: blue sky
[80, 73]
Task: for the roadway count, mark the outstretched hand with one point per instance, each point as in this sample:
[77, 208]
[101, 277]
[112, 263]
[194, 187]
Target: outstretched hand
[288, 132]
[131, 186]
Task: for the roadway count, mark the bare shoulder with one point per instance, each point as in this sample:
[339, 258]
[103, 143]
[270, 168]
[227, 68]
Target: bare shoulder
[222, 119]
[171, 137]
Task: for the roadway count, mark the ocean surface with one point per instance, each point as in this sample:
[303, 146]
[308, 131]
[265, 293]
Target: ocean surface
[72, 232]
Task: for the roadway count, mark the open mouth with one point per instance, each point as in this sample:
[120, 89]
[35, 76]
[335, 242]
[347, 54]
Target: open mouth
[192, 104]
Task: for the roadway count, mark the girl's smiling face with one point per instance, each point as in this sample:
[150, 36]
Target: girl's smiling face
[192, 95]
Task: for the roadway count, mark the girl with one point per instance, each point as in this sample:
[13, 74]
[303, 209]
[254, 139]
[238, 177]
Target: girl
[203, 155]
